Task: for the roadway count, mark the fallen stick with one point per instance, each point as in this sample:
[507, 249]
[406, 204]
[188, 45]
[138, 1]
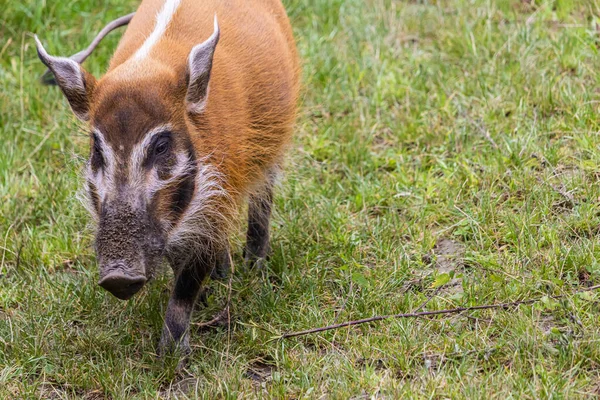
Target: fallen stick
[426, 314]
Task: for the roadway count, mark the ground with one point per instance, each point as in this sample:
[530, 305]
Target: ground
[438, 142]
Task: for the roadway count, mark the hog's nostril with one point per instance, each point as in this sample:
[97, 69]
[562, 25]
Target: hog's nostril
[121, 285]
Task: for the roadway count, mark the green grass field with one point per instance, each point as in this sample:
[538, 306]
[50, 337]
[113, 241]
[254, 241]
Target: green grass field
[450, 141]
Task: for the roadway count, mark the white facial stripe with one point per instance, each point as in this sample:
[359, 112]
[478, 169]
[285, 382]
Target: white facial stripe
[163, 18]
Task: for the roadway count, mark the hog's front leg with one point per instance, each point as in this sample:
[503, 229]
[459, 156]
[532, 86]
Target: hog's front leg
[222, 264]
[175, 335]
[259, 215]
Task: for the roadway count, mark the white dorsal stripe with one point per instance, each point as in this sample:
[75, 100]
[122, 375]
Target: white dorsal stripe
[163, 18]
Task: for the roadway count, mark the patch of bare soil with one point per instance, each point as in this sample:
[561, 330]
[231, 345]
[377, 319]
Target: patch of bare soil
[181, 387]
[259, 372]
[449, 258]
[50, 390]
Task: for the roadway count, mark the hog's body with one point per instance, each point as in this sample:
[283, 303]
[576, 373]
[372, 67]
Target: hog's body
[183, 131]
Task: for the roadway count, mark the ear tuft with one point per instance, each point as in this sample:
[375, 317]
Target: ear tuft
[74, 82]
[200, 65]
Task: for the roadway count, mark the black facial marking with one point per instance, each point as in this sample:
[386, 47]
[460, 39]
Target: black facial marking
[97, 158]
[184, 192]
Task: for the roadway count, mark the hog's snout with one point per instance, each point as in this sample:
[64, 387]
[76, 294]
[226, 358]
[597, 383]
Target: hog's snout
[129, 245]
[121, 282]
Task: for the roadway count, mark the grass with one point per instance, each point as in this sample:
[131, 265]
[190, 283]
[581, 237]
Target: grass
[439, 141]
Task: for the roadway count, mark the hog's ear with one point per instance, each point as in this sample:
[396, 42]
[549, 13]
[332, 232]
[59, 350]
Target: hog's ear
[76, 83]
[200, 64]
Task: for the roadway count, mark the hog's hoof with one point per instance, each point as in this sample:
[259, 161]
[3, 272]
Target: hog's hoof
[169, 350]
[202, 300]
[251, 261]
[180, 357]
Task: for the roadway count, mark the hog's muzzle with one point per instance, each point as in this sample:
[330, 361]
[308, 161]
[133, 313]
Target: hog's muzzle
[122, 283]
[126, 247]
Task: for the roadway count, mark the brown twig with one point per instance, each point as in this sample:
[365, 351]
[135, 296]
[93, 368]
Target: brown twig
[414, 311]
[426, 314]
[429, 299]
[216, 320]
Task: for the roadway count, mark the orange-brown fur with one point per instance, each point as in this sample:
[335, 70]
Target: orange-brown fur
[253, 87]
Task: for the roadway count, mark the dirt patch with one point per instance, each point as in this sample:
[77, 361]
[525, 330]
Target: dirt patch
[546, 323]
[49, 390]
[449, 258]
[449, 255]
[95, 395]
[366, 396]
[562, 179]
[259, 372]
[180, 387]
[377, 363]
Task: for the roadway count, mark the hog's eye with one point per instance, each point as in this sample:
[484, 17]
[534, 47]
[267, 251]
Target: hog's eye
[158, 152]
[162, 147]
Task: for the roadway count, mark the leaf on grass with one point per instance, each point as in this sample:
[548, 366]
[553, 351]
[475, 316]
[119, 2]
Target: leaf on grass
[360, 279]
[440, 280]
[548, 303]
[588, 296]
